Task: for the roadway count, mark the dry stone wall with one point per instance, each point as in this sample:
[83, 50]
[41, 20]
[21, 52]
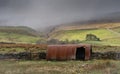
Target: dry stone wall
[42, 55]
[24, 56]
[106, 55]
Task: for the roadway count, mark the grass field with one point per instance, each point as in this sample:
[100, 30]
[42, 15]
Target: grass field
[107, 37]
[18, 38]
[113, 40]
[81, 34]
[18, 34]
[60, 67]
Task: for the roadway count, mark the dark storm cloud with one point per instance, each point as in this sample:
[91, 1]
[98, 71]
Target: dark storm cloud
[42, 13]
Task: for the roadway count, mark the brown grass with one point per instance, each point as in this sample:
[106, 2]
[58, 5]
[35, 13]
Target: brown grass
[60, 67]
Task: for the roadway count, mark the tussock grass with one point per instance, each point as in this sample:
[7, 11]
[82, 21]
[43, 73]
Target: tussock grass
[60, 67]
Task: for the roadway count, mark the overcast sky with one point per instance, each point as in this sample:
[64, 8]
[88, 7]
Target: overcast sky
[42, 13]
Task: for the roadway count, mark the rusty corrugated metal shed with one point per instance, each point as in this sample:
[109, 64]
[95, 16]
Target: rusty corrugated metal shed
[67, 52]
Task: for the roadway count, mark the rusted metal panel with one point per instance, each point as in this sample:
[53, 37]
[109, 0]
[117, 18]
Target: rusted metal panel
[71, 53]
[60, 52]
[88, 52]
[66, 52]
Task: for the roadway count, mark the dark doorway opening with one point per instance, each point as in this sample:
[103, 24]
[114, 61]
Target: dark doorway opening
[80, 53]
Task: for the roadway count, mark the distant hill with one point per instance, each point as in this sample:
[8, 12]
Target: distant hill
[107, 20]
[106, 27]
[18, 30]
[85, 26]
[109, 33]
[18, 34]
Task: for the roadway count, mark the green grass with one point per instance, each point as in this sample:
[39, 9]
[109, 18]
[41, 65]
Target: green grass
[81, 34]
[60, 67]
[107, 37]
[18, 30]
[18, 38]
[100, 43]
[113, 40]
[105, 48]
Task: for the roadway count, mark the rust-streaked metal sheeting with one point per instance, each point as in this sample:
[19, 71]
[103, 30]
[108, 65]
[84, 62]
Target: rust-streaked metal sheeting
[66, 52]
